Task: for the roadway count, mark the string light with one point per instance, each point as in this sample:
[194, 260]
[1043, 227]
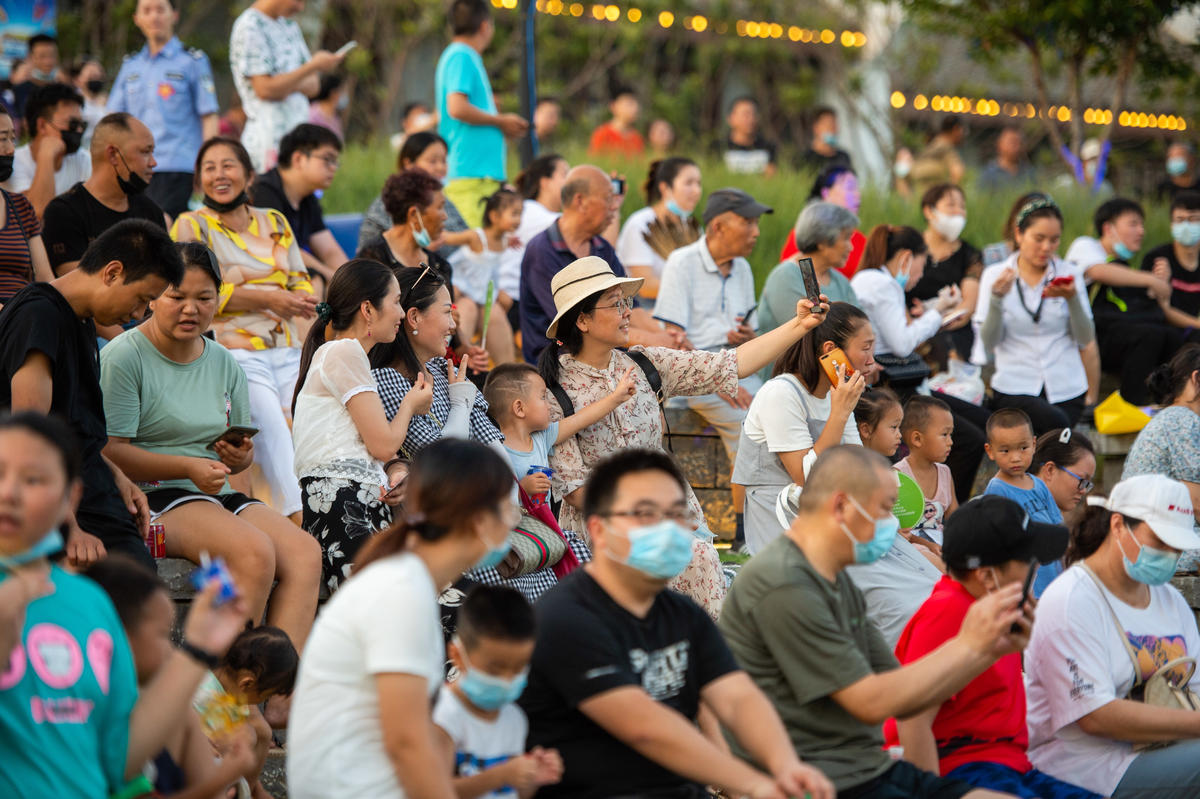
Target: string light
[988, 107]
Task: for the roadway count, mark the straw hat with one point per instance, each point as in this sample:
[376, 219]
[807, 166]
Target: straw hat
[580, 280]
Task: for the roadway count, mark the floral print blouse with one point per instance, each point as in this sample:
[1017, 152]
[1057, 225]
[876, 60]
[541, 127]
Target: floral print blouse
[638, 423]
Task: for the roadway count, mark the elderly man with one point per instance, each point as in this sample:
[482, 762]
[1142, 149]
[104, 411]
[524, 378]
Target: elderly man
[588, 208]
[621, 665]
[799, 627]
[122, 166]
[706, 292]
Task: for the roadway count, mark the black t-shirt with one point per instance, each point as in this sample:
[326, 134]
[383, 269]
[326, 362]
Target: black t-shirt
[1168, 188]
[39, 319]
[1115, 304]
[588, 644]
[748, 159]
[966, 261]
[1185, 283]
[75, 218]
[267, 192]
[818, 162]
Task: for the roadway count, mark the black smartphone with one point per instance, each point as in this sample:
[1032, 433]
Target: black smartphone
[812, 289]
[1026, 588]
[618, 186]
[234, 435]
[746, 315]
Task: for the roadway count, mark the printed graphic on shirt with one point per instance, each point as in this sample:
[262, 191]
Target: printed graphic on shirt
[930, 526]
[57, 661]
[1154, 652]
[1080, 688]
[663, 671]
[467, 764]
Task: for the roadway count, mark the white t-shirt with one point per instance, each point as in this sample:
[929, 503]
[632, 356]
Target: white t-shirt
[76, 168]
[882, 298]
[480, 744]
[1076, 663]
[631, 244]
[778, 417]
[895, 587]
[384, 620]
[1085, 252]
[535, 218]
[326, 440]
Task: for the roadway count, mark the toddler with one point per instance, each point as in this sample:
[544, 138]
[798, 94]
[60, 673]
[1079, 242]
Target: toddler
[477, 713]
[1011, 445]
[878, 415]
[928, 431]
[476, 263]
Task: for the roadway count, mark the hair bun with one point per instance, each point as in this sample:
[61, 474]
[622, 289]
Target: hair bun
[1160, 382]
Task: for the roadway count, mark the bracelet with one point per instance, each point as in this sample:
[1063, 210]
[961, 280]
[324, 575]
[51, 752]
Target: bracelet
[393, 462]
[206, 659]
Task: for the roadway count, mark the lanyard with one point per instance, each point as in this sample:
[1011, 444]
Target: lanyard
[1036, 313]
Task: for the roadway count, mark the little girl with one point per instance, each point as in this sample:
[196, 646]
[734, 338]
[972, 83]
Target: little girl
[476, 263]
[879, 414]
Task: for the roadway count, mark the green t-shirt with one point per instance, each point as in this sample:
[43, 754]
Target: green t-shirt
[801, 638]
[167, 407]
[785, 287]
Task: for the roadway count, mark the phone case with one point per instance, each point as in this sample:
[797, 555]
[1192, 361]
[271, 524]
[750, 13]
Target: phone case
[812, 288]
[830, 361]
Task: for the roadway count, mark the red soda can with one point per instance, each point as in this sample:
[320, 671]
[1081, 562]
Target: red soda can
[156, 541]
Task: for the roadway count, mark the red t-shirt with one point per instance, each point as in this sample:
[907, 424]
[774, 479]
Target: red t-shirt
[985, 721]
[606, 139]
[858, 243]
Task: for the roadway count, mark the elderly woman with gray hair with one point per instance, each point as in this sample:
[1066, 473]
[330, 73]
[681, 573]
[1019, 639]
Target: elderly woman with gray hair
[823, 232]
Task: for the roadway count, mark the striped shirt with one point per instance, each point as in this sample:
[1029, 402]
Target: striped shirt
[16, 263]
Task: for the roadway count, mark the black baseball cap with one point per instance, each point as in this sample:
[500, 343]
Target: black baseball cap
[991, 530]
[735, 200]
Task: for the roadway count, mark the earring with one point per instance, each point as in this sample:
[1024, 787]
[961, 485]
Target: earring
[414, 331]
[368, 328]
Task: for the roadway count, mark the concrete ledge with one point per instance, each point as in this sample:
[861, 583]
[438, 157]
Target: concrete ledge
[705, 464]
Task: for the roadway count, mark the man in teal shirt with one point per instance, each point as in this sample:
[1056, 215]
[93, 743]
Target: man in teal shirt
[467, 117]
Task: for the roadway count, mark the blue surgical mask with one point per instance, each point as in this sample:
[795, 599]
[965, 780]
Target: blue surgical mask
[830, 139]
[491, 559]
[1153, 566]
[674, 208]
[902, 279]
[487, 691]
[881, 541]
[1176, 166]
[1186, 233]
[660, 550]
[421, 237]
[47, 545]
[1121, 251]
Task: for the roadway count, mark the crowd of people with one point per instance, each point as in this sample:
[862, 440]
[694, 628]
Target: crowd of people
[442, 550]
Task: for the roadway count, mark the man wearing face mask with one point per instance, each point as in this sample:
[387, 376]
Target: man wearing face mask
[43, 71]
[1178, 261]
[823, 151]
[979, 734]
[799, 627]
[621, 665]
[1181, 172]
[1127, 303]
[122, 165]
[51, 162]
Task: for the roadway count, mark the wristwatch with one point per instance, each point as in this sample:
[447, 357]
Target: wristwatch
[206, 659]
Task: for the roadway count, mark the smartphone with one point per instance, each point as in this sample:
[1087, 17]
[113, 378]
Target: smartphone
[618, 186]
[347, 47]
[812, 289]
[1026, 588]
[954, 316]
[234, 435]
[831, 360]
[1066, 280]
[746, 315]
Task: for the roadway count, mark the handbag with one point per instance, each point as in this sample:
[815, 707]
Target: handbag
[906, 372]
[1166, 687]
[534, 546]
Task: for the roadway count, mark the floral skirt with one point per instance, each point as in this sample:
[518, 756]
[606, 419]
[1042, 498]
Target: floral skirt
[341, 514]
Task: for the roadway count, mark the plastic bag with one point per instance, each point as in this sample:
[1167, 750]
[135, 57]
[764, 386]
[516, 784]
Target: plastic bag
[1115, 416]
[961, 381]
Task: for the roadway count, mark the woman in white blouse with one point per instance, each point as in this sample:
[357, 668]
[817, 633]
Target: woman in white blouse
[672, 193]
[1033, 322]
[345, 445]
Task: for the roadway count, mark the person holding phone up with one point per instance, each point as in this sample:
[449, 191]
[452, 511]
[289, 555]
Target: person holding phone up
[171, 398]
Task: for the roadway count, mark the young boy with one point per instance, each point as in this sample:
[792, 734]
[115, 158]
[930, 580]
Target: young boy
[477, 712]
[516, 396]
[928, 430]
[978, 735]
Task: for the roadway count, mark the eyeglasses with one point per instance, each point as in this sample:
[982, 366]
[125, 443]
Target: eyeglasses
[622, 305]
[331, 161]
[648, 516]
[1085, 485]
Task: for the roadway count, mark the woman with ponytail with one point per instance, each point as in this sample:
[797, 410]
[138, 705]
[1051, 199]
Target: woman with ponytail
[1170, 443]
[170, 398]
[361, 720]
[650, 234]
[345, 444]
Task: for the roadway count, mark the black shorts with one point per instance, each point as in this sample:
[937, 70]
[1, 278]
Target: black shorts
[162, 500]
[117, 535]
[905, 781]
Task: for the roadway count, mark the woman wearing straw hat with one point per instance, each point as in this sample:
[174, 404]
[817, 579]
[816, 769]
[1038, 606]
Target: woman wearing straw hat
[586, 358]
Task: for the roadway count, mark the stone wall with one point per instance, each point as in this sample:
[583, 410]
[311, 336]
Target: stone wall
[701, 455]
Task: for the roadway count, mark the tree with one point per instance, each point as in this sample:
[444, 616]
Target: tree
[1088, 39]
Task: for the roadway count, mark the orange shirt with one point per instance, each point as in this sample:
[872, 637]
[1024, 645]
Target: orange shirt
[606, 139]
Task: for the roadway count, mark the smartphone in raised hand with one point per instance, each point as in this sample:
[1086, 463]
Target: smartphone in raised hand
[812, 289]
[1025, 589]
[830, 362]
[345, 48]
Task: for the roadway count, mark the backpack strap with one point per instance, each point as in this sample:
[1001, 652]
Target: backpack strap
[564, 401]
[1137, 672]
[652, 375]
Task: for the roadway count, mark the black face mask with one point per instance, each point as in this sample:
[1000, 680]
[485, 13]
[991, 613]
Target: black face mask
[95, 86]
[73, 139]
[6, 167]
[134, 184]
[232, 205]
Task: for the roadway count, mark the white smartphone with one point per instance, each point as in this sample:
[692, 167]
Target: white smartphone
[954, 316]
[347, 47]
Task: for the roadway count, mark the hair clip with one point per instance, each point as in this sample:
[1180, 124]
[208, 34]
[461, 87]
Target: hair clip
[1036, 204]
[324, 310]
[1065, 436]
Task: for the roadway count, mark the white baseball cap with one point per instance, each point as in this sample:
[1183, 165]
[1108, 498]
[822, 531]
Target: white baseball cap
[1160, 502]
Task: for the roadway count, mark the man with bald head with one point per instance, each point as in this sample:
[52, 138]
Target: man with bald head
[799, 627]
[122, 166]
[589, 206]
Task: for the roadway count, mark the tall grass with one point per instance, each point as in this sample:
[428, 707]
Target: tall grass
[364, 170]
